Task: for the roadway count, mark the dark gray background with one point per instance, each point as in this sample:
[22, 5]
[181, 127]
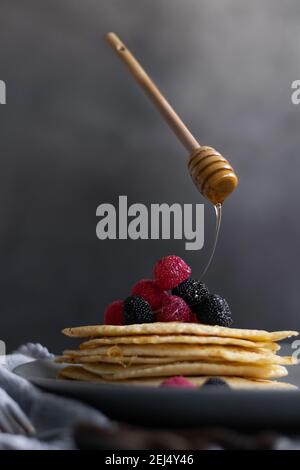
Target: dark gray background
[76, 132]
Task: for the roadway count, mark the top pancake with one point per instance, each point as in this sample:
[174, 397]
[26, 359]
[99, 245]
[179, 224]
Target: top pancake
[176, 339]
[170, 328]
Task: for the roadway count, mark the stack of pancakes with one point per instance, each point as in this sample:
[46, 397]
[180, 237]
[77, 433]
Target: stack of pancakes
[147, 354]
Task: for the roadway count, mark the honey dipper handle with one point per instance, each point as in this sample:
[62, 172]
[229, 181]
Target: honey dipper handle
[172, 118]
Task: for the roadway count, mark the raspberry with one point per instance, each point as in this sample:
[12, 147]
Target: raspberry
[171, 271]
[214, 310]
[113, 314]
[177, 381]
[194, 318]
[191, 291]
[151, 292]
[216, 382]
[174, 309]
[137, 310]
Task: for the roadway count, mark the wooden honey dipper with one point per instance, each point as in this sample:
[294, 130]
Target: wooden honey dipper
[211, 172]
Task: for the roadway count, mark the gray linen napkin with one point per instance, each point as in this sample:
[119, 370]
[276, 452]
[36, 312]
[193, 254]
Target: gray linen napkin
[47, 412]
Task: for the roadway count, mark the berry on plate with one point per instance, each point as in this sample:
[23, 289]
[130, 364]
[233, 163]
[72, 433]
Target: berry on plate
[151, 292]
[174, 309]
[216, 382]
[177, 381]
[171, 271]
[113, 314]
[137, 310]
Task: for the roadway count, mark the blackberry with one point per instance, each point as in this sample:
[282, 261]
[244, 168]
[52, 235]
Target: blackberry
[191, 291]
[214, 310]
[137, 310]
[216, 382]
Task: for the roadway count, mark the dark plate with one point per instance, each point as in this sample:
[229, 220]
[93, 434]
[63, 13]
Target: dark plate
[167, 407]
